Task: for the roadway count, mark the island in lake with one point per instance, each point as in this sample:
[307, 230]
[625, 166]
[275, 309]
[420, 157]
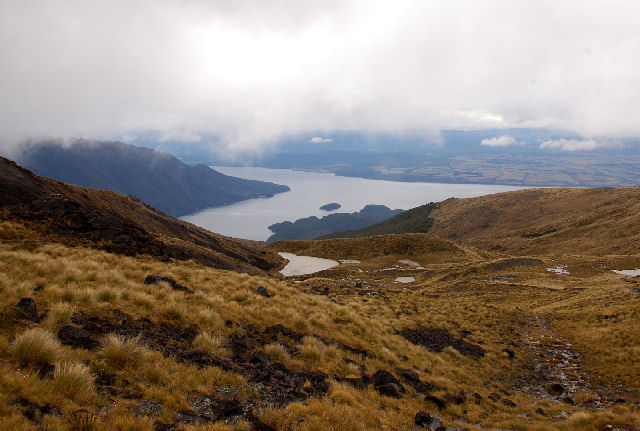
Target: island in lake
[313, 227]
[330, 207]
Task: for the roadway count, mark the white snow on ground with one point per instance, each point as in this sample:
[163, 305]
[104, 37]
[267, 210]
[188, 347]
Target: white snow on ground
[409, 262]
[405, 279]
[349, 261]
[631, 272]
[560, 269]
[301, 265]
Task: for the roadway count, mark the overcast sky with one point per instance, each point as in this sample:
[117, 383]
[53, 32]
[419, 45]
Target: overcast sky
[252, 70]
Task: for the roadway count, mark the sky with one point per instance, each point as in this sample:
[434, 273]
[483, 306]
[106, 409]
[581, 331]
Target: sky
[251, 71]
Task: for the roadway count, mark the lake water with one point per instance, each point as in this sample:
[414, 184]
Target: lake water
[310, 190]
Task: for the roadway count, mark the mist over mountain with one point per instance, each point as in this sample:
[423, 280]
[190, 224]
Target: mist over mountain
[158, 179]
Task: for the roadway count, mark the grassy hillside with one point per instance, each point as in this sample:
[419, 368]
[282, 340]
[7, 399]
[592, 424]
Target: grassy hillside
[105, 335]
[532, 221]
[47, 210]
[415, 220]
[156, 178]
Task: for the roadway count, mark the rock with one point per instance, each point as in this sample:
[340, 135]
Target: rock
[262, 291]
[540, 411]
[259, 357]
[120, 316]
[507, 402]
[155, 279]
[408, 375]
[494, 397]
[190, 417]
[457, 399]
[76, 337]
[436, 401]
[568, 400]
[555, 389]
[28, 308]
[382, 377]
[34, 411]
[148, 408]
[390, 390]
[356, 382]
[510, 353]
[429, 421]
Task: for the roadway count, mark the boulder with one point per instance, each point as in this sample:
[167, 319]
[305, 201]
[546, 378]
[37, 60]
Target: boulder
[390, 390]
[428, 421]
[29, 309]
[440, 404]
[76, 337]
[382, 377]
[262, 291]
[408, 374]
[259, 357]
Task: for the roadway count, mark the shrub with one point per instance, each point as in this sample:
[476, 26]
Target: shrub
[35, 347]
[120, 352]
[74, 380]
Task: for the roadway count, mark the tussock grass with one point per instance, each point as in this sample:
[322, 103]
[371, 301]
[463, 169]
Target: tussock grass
[214, 344]
[35, 347]
[120, 353]
[95, 283]
[74, 380]
[58, 316]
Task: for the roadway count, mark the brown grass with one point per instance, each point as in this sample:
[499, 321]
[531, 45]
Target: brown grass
[452, 295]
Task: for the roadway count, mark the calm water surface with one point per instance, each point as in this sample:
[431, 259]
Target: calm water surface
[310, 190]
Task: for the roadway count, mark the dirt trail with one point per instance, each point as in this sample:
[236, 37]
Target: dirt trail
[554, 370]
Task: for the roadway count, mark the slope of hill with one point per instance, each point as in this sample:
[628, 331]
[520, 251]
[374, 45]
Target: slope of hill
[532, 221]
[415, 220]
[312, 227]
[410, 331]
[156, 178]
[49, 210]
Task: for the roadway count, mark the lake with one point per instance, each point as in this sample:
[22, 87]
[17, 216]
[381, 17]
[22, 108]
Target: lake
[309, 190]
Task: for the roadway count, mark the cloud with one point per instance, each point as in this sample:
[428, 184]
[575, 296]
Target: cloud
[252, 71]
[180, 135]
[501, 141]
[319, 140]
[571, 145]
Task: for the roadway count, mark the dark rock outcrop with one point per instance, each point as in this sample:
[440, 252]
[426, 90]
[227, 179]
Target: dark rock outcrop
[262, 291]
[28, 308]
[155, 279]
[437, 339]
[429, 421]
[76, 337]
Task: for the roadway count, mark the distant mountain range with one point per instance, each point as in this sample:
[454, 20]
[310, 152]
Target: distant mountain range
[517, 156]
[158, 179]
[313, 227]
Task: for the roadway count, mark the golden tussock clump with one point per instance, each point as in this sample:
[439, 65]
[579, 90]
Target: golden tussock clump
[35, 347]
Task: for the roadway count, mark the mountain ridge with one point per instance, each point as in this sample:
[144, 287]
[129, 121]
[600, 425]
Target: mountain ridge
[157, 178]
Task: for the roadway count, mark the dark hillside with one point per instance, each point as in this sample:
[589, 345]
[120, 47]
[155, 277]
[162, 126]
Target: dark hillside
[156, 178]
[53, 211]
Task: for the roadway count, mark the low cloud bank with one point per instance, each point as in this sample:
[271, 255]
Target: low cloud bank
[501, 141]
